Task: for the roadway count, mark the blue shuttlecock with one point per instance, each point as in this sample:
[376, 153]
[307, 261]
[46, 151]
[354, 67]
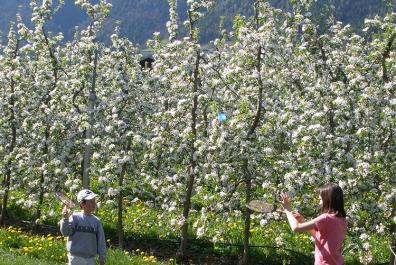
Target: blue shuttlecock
[221, 117]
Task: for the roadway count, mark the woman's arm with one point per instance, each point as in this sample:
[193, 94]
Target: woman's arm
[301, 219]
[295, 225]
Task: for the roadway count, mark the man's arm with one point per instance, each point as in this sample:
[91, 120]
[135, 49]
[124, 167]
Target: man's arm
[65, 223]
[101, 244]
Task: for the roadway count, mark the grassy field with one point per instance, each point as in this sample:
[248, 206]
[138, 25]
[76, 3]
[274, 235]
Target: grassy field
[19, 247]
[150, 239]
[11, 258]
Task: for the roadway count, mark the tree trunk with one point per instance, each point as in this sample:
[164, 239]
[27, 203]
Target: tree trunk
[250, 135]
[385, 55]
[186, 210]
[54, 64]
[89, 130]
[41, 197]
[120, 225]
[87, 157]
[42, 178]
[5, 195]
[7, 176]
[191, 174]
[392, 260]
[246, 239]
[392, 232]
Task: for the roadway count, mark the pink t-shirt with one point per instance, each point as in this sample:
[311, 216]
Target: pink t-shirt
[329, 235]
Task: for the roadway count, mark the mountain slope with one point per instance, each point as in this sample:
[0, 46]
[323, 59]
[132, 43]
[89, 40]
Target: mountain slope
[139, 19]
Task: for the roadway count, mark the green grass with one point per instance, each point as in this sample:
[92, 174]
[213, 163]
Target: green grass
[115, 258]
[11, 258]
[18, 247]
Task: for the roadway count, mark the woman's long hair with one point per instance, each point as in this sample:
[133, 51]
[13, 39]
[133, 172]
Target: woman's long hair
[332, 199]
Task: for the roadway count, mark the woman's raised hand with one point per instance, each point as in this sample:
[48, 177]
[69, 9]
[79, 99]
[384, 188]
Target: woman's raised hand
[286, 201]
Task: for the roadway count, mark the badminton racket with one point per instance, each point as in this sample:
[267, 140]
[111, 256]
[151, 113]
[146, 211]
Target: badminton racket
[65, 199]
[262, 207]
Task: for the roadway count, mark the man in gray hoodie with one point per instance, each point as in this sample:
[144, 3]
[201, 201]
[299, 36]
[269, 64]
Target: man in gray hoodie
[84, 231]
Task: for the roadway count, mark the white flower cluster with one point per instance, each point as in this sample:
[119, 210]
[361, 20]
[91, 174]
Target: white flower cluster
[274, 106]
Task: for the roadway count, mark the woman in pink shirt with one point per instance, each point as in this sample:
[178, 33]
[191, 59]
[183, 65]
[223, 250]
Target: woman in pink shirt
[328, 229]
